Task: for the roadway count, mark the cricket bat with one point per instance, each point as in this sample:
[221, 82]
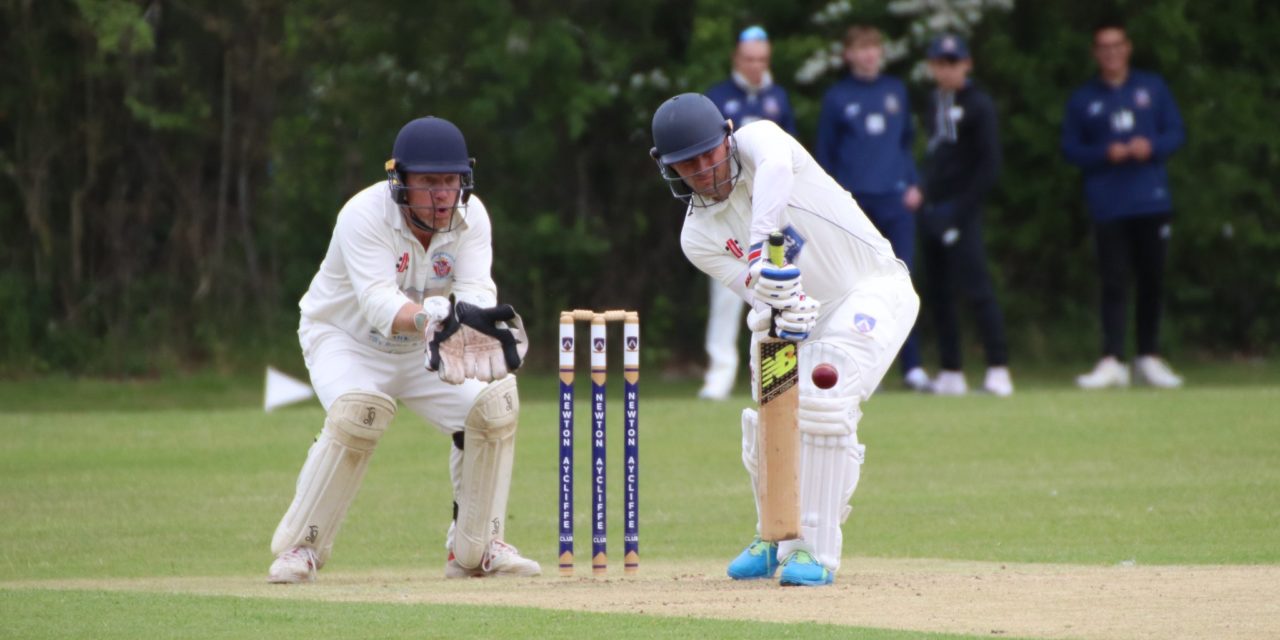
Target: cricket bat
[778, 379]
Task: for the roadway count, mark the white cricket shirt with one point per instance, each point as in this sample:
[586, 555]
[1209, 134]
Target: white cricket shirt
[782, 187]
[375, 265]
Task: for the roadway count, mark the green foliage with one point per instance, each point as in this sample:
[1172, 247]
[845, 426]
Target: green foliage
[171, 172]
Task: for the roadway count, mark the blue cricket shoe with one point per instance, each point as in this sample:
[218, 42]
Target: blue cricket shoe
[758, 560]
[801, 569]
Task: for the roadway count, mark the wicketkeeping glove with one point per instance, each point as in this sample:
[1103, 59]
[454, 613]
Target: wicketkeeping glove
[479, 343]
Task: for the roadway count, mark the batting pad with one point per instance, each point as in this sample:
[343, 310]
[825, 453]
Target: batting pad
[487, 458]
[332, 473]
[830, 455]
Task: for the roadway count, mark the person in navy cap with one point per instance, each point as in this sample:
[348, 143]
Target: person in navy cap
[749, 94]
[865, 135]
[962, 162]
[1120, 128]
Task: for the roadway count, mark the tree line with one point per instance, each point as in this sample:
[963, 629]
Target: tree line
[171, 170]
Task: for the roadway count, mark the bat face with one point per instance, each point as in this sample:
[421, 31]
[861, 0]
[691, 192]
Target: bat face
[777, 484]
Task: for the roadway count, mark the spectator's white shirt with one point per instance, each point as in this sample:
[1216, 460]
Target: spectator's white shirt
[782, 187]
[375, 265]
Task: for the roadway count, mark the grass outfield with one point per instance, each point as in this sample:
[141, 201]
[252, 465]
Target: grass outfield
[126, 481]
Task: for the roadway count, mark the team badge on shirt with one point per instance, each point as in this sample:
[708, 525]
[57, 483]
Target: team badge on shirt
[402, 264]
[442, 264]
[1141, 98]
[891, 103]
[852, 110]
[731, 107]
[771, 106]
[1095, 107]
[863, 322]
[875, 123]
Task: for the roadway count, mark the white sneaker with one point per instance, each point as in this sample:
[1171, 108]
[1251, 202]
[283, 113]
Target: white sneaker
[949, 383]
[501, 559]
[916, 379]
[1109, 372]
[998, 382]
[293, 566]
[1153, 371]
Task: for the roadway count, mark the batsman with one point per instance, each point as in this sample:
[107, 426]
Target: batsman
[833, 289]
[404, 308]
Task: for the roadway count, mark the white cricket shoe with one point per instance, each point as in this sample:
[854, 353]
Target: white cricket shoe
[998, 383]
[1109, 372]
[949, 383]
[293, 566]
[916, 379]
[1155, 372]
[501, 559]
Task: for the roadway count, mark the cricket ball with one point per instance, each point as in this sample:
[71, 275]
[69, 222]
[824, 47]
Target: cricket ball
[825, 376]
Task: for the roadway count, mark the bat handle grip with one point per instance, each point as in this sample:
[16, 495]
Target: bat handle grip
[777, 256]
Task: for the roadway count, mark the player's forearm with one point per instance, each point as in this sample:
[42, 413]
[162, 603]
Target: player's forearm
[404, 320]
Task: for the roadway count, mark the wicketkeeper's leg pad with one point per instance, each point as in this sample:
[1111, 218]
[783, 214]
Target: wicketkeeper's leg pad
[487, 458]
[333, 471]
[830, 454]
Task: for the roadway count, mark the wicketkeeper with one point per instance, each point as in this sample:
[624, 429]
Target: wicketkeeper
[841, 294]
[407, 274]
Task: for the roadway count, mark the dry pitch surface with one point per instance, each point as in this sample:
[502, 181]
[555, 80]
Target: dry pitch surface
[989, 599]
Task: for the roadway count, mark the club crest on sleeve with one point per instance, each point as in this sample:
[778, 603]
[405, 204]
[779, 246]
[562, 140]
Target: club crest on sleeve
[794, 245]
[863, 322]
[733, 247]
[402, 264]
[442, 264]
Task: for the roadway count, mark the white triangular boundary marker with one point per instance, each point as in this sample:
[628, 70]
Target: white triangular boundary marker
[282, 389]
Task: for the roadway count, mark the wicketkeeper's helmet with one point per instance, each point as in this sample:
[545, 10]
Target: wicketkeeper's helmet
[429, 145]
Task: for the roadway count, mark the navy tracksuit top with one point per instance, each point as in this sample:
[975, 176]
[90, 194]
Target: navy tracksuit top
[1098, 115]
[865, 135]
[743, 108]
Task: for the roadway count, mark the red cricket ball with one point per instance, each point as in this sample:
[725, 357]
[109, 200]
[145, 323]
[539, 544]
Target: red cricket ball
[825, 376]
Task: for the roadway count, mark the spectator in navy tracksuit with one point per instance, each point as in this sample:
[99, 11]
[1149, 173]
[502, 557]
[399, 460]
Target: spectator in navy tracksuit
[961, 165]
[749, 94]
[864, 141]
[1119, 129]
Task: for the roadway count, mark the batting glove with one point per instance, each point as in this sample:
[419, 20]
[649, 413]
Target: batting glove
[776, 286]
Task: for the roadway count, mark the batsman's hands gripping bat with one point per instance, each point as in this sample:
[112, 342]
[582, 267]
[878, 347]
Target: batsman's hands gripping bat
[776, 285]
[481, 343]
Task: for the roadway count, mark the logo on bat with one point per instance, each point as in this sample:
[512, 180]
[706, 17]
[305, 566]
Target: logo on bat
[778, 369]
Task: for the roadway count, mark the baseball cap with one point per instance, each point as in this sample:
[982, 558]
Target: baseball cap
[948, 46]
[753, 33]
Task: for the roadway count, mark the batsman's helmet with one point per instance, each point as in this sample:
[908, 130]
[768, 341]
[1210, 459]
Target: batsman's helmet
[429, 145]
[685, 127]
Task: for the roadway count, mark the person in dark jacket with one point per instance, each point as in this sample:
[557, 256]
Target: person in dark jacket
[961, 165]
[865, 135]
[747, 95]
[1120, 128]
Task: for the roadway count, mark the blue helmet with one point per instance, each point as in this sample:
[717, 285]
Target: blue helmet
[684, 127]
[428, 145]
